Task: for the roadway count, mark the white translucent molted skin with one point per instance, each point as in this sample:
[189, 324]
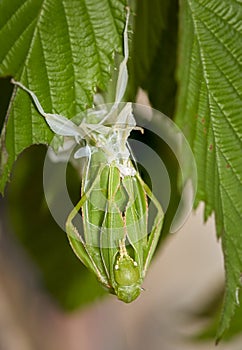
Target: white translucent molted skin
[112, 138]
[82, 152]
[126, 170]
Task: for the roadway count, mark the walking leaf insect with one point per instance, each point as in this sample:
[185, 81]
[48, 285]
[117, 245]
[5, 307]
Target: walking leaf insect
[116, 244]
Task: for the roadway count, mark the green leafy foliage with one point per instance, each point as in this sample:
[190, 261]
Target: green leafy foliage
[62, 50]
[65, 50]
[209, 111]
[210, 312]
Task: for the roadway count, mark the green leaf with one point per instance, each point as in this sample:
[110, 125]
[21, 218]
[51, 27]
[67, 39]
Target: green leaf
[63, 51]
[209, 111]
[211, 312]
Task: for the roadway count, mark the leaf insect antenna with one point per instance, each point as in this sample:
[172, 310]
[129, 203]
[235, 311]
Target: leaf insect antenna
[123, 71]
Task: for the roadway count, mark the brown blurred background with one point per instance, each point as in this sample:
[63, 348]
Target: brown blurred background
[185, 271]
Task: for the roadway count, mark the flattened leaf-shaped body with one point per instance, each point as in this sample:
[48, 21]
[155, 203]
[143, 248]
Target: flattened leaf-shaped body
[115, 243]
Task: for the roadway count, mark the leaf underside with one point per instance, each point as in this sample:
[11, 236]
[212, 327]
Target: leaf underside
[209, 111]
[61, 50]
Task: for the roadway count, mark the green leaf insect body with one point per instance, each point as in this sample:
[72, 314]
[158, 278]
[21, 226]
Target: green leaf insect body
[119, 236]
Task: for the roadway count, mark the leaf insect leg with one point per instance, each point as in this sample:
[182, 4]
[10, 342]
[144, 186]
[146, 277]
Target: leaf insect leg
[59, 125]
[82, 251]
[155, 232]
